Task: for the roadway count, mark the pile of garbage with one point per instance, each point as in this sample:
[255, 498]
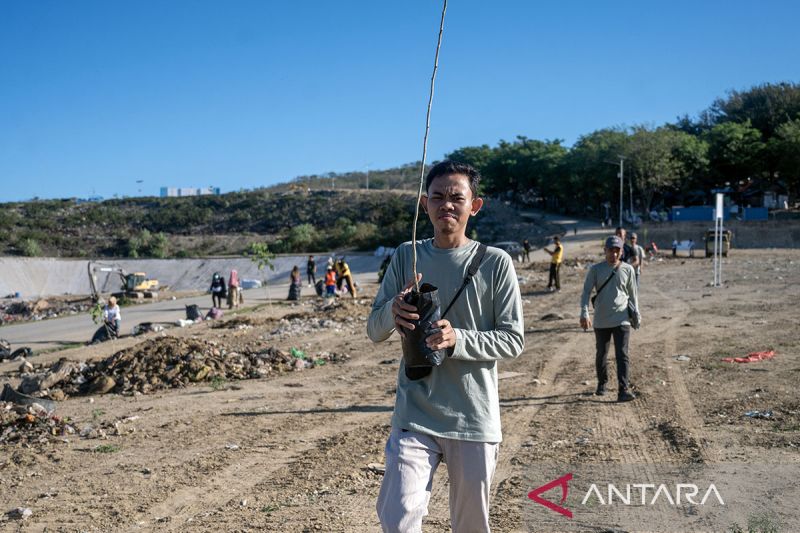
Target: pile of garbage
[6, 353]
[20, 424]
[19, 311]
[163, 363]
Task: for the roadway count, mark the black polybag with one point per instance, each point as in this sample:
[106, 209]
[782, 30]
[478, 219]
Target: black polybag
[420, 359]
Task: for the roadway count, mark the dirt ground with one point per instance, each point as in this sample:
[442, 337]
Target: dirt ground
[301, 450]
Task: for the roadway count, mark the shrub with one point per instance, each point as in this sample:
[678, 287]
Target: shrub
[30, 248]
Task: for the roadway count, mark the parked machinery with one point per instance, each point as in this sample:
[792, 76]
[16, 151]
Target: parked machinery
[134, 285]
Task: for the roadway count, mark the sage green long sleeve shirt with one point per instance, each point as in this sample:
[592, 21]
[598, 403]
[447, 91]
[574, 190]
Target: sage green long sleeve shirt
[459, 398]
[611, 305]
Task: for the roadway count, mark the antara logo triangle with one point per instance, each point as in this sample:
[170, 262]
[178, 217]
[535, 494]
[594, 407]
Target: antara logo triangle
[562, 482]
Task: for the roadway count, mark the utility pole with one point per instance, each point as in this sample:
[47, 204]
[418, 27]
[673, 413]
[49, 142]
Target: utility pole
[630, 188]
[621, 186]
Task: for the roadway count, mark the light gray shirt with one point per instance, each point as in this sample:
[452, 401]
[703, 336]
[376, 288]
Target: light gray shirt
[459, 398]
[638, 253]
[611, 305]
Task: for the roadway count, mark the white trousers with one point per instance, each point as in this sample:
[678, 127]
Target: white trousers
[411, 461]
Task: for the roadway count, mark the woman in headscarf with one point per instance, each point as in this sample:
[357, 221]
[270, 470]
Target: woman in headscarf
[233, 290]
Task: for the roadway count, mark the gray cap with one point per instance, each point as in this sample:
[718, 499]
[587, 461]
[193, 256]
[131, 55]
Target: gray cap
[633, 236]
[614, 242]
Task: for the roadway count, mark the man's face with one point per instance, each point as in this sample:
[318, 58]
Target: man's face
[621, 234]
[612, 255]
[449, 203]
[633, 241]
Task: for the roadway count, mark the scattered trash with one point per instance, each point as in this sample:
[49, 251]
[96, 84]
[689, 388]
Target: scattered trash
[21, 311]
[215, 313]
[233, 447]
[683, 358]
[20, 513]
[17, 355]
[17, 398]
[759, 414]
[752, 357]
[193, 313]
[378, 468]
[147, 327]
[30, 424]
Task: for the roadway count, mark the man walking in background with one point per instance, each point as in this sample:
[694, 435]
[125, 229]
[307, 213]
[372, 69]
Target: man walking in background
[311, 271]
[555, 264]
[637, 256]
[615, 286]
[626, 251]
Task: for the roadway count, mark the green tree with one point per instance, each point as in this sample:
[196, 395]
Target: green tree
[785, 148]
[259, 253]
[735, 151]
[765, 107]
[302, 238]
[591, 174]
[158, 246]
[661, 159]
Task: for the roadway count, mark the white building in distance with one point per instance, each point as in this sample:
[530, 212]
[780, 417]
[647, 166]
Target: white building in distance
[188, 191]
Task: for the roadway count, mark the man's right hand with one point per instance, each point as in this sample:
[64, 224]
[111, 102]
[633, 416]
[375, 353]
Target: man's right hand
[402, 311]
[586, 323]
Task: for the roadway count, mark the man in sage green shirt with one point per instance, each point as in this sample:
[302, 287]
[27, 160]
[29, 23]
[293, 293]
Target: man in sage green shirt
[614, 282]
[453, 413]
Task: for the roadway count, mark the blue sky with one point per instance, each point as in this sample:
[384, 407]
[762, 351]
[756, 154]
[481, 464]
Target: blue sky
[97, 95]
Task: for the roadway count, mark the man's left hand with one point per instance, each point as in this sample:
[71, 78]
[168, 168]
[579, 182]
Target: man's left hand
[444, 338]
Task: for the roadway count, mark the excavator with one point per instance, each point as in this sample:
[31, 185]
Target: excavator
[135, 285]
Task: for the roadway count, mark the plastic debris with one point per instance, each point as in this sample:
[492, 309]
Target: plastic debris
[752, 357]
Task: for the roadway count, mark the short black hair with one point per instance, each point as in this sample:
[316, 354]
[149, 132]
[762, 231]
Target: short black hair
[447, 167]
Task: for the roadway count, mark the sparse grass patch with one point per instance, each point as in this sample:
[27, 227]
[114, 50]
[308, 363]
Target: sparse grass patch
[106, 448]
[218, 383]
[761, 523]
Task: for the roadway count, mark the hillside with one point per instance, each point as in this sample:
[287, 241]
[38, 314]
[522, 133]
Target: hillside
[290, 221]
[180, 227]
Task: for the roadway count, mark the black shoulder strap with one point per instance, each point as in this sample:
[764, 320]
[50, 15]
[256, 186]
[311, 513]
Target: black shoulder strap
[606, 281]
[471, 271]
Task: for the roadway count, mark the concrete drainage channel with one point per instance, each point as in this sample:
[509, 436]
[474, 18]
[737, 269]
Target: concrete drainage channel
[31, 278]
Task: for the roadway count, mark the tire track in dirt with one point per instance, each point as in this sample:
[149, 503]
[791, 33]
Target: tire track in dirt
[687, 415]
[627, 430]
[258, 462]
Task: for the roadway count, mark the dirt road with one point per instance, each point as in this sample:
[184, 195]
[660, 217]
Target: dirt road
[301, 450]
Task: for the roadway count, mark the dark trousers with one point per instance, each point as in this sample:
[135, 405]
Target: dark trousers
[602, 337]
[554, 278]
[312, 279]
